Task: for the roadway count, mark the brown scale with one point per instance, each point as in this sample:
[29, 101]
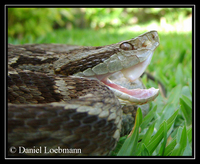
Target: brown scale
[77, 130]
[84, 63]
[31, 87]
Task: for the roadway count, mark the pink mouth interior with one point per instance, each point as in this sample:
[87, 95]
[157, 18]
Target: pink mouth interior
[137, 93]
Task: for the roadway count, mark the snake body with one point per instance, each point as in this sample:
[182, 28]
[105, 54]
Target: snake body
[60, 95]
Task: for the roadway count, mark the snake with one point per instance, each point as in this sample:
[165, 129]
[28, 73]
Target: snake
[68, 97]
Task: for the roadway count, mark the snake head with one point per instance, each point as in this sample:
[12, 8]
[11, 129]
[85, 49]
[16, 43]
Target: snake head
[131, 58]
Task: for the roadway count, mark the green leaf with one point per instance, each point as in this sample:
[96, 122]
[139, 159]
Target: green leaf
[188, 150]
[167, 112]
[130, 145]
[174, 95]
[171, 120]
[187, 100]
[145, 140]
[155, 140]
[148, 134]
[189, 134]
[162, 148]
[169, 148]
[179, 74]
[186, 108]
[186, 92]
[144, 151]
[148, 118]
[140, 117]
[181, 142]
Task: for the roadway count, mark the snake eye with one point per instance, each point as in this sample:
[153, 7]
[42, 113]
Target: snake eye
[126, 46]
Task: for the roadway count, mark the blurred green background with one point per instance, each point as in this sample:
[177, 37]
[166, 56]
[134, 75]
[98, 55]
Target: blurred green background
[171, 63]
[38, 22]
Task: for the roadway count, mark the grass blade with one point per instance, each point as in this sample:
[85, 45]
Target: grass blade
[148, 118]
[162, 148]
[155, 140]
[182, 142]
[186, 108]
[148, 134]
[130, 145]
[144, 151]
[169, 148]
[145, 140]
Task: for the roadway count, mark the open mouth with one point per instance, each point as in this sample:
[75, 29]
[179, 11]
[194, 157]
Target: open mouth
[145, 45]
[133, 96]
[131, 59]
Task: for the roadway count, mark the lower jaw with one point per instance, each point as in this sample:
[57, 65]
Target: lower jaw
[130, 92]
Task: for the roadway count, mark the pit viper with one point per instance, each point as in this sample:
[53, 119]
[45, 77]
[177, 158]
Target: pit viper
[75, 97]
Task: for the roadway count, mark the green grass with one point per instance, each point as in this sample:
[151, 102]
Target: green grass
[167, 129]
